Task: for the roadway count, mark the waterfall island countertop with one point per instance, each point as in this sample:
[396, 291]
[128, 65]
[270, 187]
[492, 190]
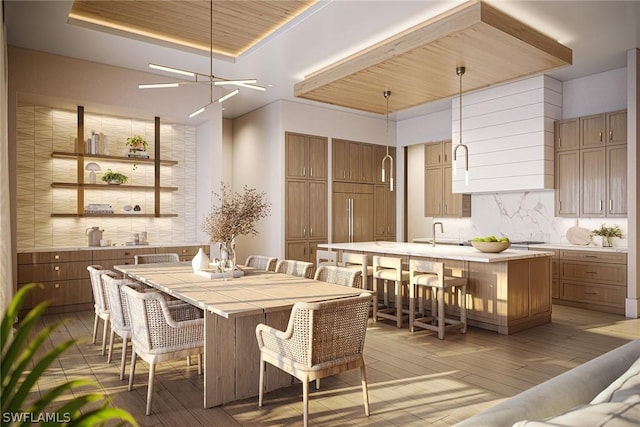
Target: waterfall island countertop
[443, 251]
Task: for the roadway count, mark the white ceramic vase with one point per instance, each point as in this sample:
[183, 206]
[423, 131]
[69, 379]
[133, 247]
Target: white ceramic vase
[200, 261]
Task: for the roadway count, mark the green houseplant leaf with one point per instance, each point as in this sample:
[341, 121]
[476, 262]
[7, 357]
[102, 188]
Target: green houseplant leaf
[22, 347]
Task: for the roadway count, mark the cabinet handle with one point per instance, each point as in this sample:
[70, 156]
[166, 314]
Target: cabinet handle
[611, 205]
[559, 142]
[600, 136]
[304, 232]
[600, 204]
[591, 256]
[127, 254]
[311, 232]
[610, 135]
[56, 285]
[592, 272]
[310, 171]
[445, 208]
[304, 171]
[591, 293]
[56, 257]
[438, 158]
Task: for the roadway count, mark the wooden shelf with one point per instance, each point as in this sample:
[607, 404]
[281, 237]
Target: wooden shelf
[108, 186]
[70, 155]
[113, 215]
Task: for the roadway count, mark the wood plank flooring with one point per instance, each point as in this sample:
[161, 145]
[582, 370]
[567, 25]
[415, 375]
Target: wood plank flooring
[414, 378]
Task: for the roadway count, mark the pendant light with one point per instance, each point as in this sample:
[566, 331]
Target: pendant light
[460, 71]
[206, 79]
[387, 94]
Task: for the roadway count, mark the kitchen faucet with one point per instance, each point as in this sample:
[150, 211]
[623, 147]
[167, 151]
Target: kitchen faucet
[433, 240]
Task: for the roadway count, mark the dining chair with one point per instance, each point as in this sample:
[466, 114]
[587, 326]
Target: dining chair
[295, 268]
[261, 262]
[339, 275]
[119, 313]
[161, 332]
[151, 258]
[100, 304]
[321, 339]
[431, 275]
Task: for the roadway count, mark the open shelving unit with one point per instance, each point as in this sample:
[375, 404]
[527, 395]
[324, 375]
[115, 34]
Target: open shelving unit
[80, 156]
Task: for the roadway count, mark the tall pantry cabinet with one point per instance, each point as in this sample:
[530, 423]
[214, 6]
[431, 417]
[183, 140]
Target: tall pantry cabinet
[305, 195]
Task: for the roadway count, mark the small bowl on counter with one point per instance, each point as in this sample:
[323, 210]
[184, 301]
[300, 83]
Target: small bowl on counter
[491, 247]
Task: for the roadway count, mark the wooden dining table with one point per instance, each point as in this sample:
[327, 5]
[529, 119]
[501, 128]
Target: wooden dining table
[232, 310]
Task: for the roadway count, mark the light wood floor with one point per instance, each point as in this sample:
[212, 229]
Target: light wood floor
[414, 378]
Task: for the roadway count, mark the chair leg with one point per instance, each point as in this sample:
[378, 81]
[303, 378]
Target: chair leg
[110, 353]
[441, 324]
[463, 308]
[317, 383]
[398, 286]
[105, 326]
[261, 389]
[123, 359]
[199, 363]
[95, 329]
[305, 402]
[365, 389]
[188, 360]
[374, 306]
[132, 371]
[412, 305]
[152, 371]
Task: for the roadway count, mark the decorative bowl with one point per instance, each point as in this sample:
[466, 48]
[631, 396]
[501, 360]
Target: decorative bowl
[491, 247]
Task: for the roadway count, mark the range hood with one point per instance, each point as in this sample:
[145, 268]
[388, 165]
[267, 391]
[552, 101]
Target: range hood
[508, 130]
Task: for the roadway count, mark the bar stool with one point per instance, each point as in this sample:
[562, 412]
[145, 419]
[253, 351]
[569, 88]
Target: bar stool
[389, 268]
[326, 258]
[431, 274]
[358, 262]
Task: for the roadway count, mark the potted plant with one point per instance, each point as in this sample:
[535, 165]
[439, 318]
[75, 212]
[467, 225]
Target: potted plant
[114, 178]
[607, 234]
[136, 143]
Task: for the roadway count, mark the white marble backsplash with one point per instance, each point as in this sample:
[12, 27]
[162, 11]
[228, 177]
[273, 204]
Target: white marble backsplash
[519, 216]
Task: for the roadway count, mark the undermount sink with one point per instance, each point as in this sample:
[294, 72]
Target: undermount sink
[441, 241]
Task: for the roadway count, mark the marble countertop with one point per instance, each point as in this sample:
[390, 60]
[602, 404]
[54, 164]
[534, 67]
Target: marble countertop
[106, 248]
[570, 247]
[463, 253]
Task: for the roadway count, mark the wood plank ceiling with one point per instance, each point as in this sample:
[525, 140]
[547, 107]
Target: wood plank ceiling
[419, 64]
[237, 25]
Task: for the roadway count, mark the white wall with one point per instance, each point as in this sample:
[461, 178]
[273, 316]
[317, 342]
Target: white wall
[595, 94]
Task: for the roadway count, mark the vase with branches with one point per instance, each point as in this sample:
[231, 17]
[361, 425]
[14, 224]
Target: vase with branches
[607, 234]
[234, 214]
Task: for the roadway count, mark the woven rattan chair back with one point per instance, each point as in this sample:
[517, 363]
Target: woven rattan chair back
[295, 268]
[100, 304]
[152, 258]
[261, 262]
[339, 275]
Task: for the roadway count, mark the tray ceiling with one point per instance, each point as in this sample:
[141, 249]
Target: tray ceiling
[237, 25]
[419, 64]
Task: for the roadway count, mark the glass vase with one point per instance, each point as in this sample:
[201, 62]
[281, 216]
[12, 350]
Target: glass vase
[607, 241]
[228, 257]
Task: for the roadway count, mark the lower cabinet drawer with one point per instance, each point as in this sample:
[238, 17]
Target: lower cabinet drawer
[54, 271]
[64, 292]
[615, 274]
[596, 294]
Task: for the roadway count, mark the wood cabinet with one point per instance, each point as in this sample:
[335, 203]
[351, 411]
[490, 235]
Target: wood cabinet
[555, 268]
[358, 161]
[306, 199]
[306, 156]
[439, 199]
[384, 213]
[595, 280]
[64, 277]
[353, 212]
[591, 166]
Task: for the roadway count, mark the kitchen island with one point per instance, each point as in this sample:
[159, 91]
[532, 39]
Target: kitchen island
[506, 292]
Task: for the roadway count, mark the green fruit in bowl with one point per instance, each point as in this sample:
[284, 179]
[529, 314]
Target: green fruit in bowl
[503, 239]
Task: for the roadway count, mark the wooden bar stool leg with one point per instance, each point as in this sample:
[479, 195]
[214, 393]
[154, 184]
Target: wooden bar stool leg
[374, 306]
[412, 305]
[463, 308]
[398, 294]
[441, 324]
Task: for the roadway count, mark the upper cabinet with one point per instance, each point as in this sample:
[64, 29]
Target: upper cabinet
[358, 161]
[306, 156]
[439, 200]
[591, 166]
